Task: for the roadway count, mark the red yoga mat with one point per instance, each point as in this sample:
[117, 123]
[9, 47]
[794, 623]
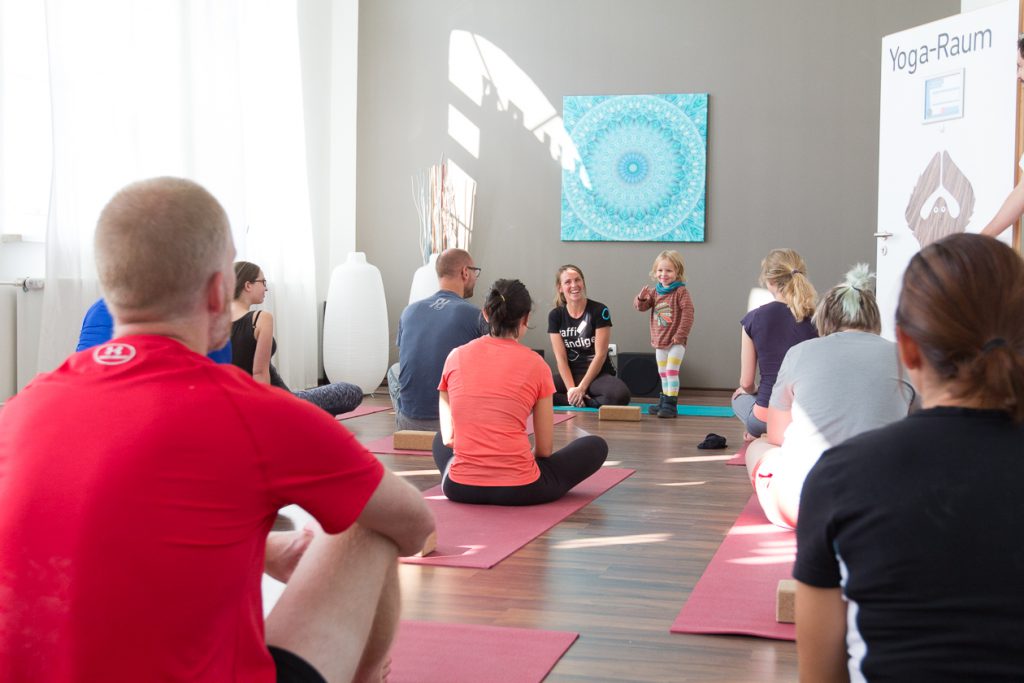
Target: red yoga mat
[386, 445]
[736, 594]
[362, 410]
[433, 652]
[481, 536]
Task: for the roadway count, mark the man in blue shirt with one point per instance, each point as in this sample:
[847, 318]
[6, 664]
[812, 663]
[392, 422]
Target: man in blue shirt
[427, 332]
[98, 328]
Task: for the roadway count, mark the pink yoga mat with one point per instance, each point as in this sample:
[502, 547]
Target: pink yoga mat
[386, 445]
[362, 410]
[481, 536]
[741, 456]
[433, 652]
[736, 594]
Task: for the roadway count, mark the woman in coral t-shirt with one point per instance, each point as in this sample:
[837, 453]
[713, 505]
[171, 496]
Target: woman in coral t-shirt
[489, 388]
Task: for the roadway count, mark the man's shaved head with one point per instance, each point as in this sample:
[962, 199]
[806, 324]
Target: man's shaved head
[158, 242]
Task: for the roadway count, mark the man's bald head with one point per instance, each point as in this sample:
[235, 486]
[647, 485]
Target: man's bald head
[456, 272]
[158, 242]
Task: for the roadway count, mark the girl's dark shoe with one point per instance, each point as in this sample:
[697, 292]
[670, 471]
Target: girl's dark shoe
[668, 407]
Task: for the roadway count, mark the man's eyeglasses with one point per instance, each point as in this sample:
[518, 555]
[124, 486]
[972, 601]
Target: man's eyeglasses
[262, 282]
[475, 269]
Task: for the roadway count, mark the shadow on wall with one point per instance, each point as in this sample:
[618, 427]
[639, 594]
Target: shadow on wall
[475, 67]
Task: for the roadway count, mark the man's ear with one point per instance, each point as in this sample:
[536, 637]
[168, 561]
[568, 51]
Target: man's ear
[910, 352]
[216, 293]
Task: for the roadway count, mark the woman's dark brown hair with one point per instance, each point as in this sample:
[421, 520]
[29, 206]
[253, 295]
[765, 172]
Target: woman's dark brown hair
[508, 302]
[963, 303]
[245, 272]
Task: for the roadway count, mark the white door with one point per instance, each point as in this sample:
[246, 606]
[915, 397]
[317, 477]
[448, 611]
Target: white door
[946, 136]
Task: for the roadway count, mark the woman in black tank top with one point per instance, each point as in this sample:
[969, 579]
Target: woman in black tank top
[252, 344]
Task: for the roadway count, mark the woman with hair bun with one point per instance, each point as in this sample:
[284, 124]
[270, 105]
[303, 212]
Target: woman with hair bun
[768, 333]
[845, 382]
[489, 389]
[909, 547]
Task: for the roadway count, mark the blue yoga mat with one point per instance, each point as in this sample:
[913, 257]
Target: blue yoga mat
[696, 411]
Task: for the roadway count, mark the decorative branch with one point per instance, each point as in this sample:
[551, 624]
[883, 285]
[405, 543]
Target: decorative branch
[445, 203]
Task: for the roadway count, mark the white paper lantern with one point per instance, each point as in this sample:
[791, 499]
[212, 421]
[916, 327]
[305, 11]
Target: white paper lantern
[356, 340]
[759, 297]
[424, 280]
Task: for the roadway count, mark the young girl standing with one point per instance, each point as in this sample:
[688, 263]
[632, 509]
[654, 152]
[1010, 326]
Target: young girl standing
[671, 319]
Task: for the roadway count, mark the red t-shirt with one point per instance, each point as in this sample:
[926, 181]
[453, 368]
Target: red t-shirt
[138, 483]
[493, 385]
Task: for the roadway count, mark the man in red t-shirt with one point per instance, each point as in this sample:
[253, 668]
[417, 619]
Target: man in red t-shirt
[139, 481]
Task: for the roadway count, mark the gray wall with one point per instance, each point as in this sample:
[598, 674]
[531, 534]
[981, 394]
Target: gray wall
[792, 142]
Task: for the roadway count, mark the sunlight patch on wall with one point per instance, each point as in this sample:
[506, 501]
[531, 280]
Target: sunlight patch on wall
[464, 131]
[480, 69]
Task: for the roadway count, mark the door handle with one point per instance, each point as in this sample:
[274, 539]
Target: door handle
[884, 235]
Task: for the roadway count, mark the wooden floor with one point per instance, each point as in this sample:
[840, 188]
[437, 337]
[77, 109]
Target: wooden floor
[647, 541]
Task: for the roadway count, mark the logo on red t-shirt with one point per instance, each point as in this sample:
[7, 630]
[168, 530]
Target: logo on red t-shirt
[113, 354]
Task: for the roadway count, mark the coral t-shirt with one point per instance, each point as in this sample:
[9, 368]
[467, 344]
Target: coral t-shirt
[138, 483]
[493, 385]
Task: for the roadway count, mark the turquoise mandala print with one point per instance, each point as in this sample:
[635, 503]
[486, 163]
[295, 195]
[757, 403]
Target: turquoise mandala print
[642, 173]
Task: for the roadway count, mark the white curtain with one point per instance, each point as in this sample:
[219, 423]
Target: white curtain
[205, 89]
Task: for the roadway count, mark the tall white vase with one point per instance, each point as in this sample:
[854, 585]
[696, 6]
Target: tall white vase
[424, 280]
[356, 340]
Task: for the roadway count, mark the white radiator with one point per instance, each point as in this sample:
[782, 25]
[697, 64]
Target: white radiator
[21, 310]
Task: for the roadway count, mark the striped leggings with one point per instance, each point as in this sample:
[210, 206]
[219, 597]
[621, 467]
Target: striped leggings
[669, 361]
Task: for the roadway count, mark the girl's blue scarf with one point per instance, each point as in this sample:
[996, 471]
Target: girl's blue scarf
[671, 288]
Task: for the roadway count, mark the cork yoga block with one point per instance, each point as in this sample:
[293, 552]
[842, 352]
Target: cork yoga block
[412, 440]
[623, 413]
[785, 602]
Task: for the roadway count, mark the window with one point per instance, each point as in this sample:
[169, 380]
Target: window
[26, 146]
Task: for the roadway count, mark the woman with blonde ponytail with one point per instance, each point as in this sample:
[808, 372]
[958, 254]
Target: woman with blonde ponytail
[845, 382]
[909, 552]
[768, 333]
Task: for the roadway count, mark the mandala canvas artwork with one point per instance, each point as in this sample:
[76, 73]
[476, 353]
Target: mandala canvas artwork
[642, 170]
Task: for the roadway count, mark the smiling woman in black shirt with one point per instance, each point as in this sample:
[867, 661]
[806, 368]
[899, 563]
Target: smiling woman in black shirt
[580, 330]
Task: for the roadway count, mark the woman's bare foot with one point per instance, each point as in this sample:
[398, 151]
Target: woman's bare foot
[748, 437]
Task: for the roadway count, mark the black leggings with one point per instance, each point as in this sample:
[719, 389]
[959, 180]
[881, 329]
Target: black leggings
[605, 390]
[559, 473]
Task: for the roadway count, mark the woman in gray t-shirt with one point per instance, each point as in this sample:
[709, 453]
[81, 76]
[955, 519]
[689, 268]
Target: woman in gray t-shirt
[845, 382]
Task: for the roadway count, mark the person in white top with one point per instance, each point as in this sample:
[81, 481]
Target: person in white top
[845, 382]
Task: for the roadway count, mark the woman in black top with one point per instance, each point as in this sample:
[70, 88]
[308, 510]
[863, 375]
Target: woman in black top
[580, 330]
[252, 344]
[909, 548]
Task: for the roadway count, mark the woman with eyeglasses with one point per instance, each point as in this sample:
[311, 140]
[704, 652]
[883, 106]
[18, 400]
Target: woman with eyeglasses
[845, 382]
[252, 344]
